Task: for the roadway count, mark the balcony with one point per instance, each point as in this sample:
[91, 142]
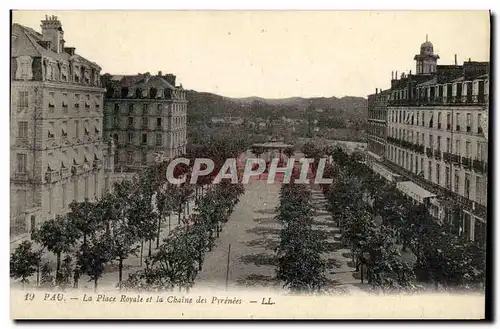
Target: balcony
[448, 126]
[457, 128]
[21, 176]
[64, 172]
[77, 107]
[52, 176]
[479, 130]
[447, 157]
[444, 100]
[76, 169]
[479, 166]
[97, 164]
[468, 129]
[455, 158]
[428, 152]
[437, 154]
[466, 163]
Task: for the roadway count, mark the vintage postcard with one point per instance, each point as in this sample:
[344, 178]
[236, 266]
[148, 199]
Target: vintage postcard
[249, 164]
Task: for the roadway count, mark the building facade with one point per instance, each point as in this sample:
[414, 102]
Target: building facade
[437, 146]
[377, 124]
[146, 117]
[57, 149]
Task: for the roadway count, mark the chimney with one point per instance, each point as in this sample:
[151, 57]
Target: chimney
[376, 91]
[52, 31]
[392, 75]
[159, 73]
[69, 50]
[469, 59]
[396, 75]
[455, 59]
[410, 72]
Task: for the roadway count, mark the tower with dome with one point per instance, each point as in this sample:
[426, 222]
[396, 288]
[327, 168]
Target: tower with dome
[426, 60]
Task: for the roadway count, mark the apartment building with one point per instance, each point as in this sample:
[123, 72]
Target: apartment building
[57, 149]
[146, 117]
[377, 124]
[437, 122]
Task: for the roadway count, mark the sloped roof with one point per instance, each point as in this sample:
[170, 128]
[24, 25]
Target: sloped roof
[26, 44]
[141, 81]
[430, 82]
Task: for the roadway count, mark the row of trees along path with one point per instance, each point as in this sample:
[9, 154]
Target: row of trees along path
[398, 243]
[94, 238]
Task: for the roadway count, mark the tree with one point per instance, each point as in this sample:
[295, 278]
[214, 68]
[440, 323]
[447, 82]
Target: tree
[24, 262]
[92, 257]
[299, 262]
[57, 235]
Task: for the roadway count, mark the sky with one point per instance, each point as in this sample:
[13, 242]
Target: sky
[271, 54]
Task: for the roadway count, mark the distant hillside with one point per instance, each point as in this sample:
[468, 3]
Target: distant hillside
[206, 105]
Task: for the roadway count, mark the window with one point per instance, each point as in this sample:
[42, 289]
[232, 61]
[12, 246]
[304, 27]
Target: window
[423, 118]
[144, 138]
[64, 195]
[130, 157]
[431, 141]
[423, 138]
[158, 108]
[64, 129]
[479, 128]
[158, 122]
[448, 121]
[144, 109]
[479, 190]
[467, 149]
[77, 128]
[448, 145]
[411, 162]
[130, 121]
[439, 143]
[457, 182]
[457, 147]
[422, 166]
[418, 118]
[439, 120]
[23, 129]
[438, 171]
[144, 157]
[467, 186]
[22, 99]
[21, 163]
[447, 177]
[130, 138]
[117, 109]
[458, 122]
[51, 130]
[159, 138]
[480, 150]
[416, 164]
[429, 171]
[469, 122]
[145, 121]
[131, 108]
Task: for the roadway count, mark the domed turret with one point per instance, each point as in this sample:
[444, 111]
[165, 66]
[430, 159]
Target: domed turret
[427, 48]
[426, 60]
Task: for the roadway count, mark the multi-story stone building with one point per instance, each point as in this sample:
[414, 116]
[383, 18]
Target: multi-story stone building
[377, 124]
[437, 146]
[56, 142]
[146, 117]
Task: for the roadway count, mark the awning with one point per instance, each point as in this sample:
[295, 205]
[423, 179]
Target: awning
[384, 172]
[414, 191]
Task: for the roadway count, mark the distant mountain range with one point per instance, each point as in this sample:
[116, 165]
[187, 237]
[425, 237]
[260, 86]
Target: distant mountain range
[204, 105]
